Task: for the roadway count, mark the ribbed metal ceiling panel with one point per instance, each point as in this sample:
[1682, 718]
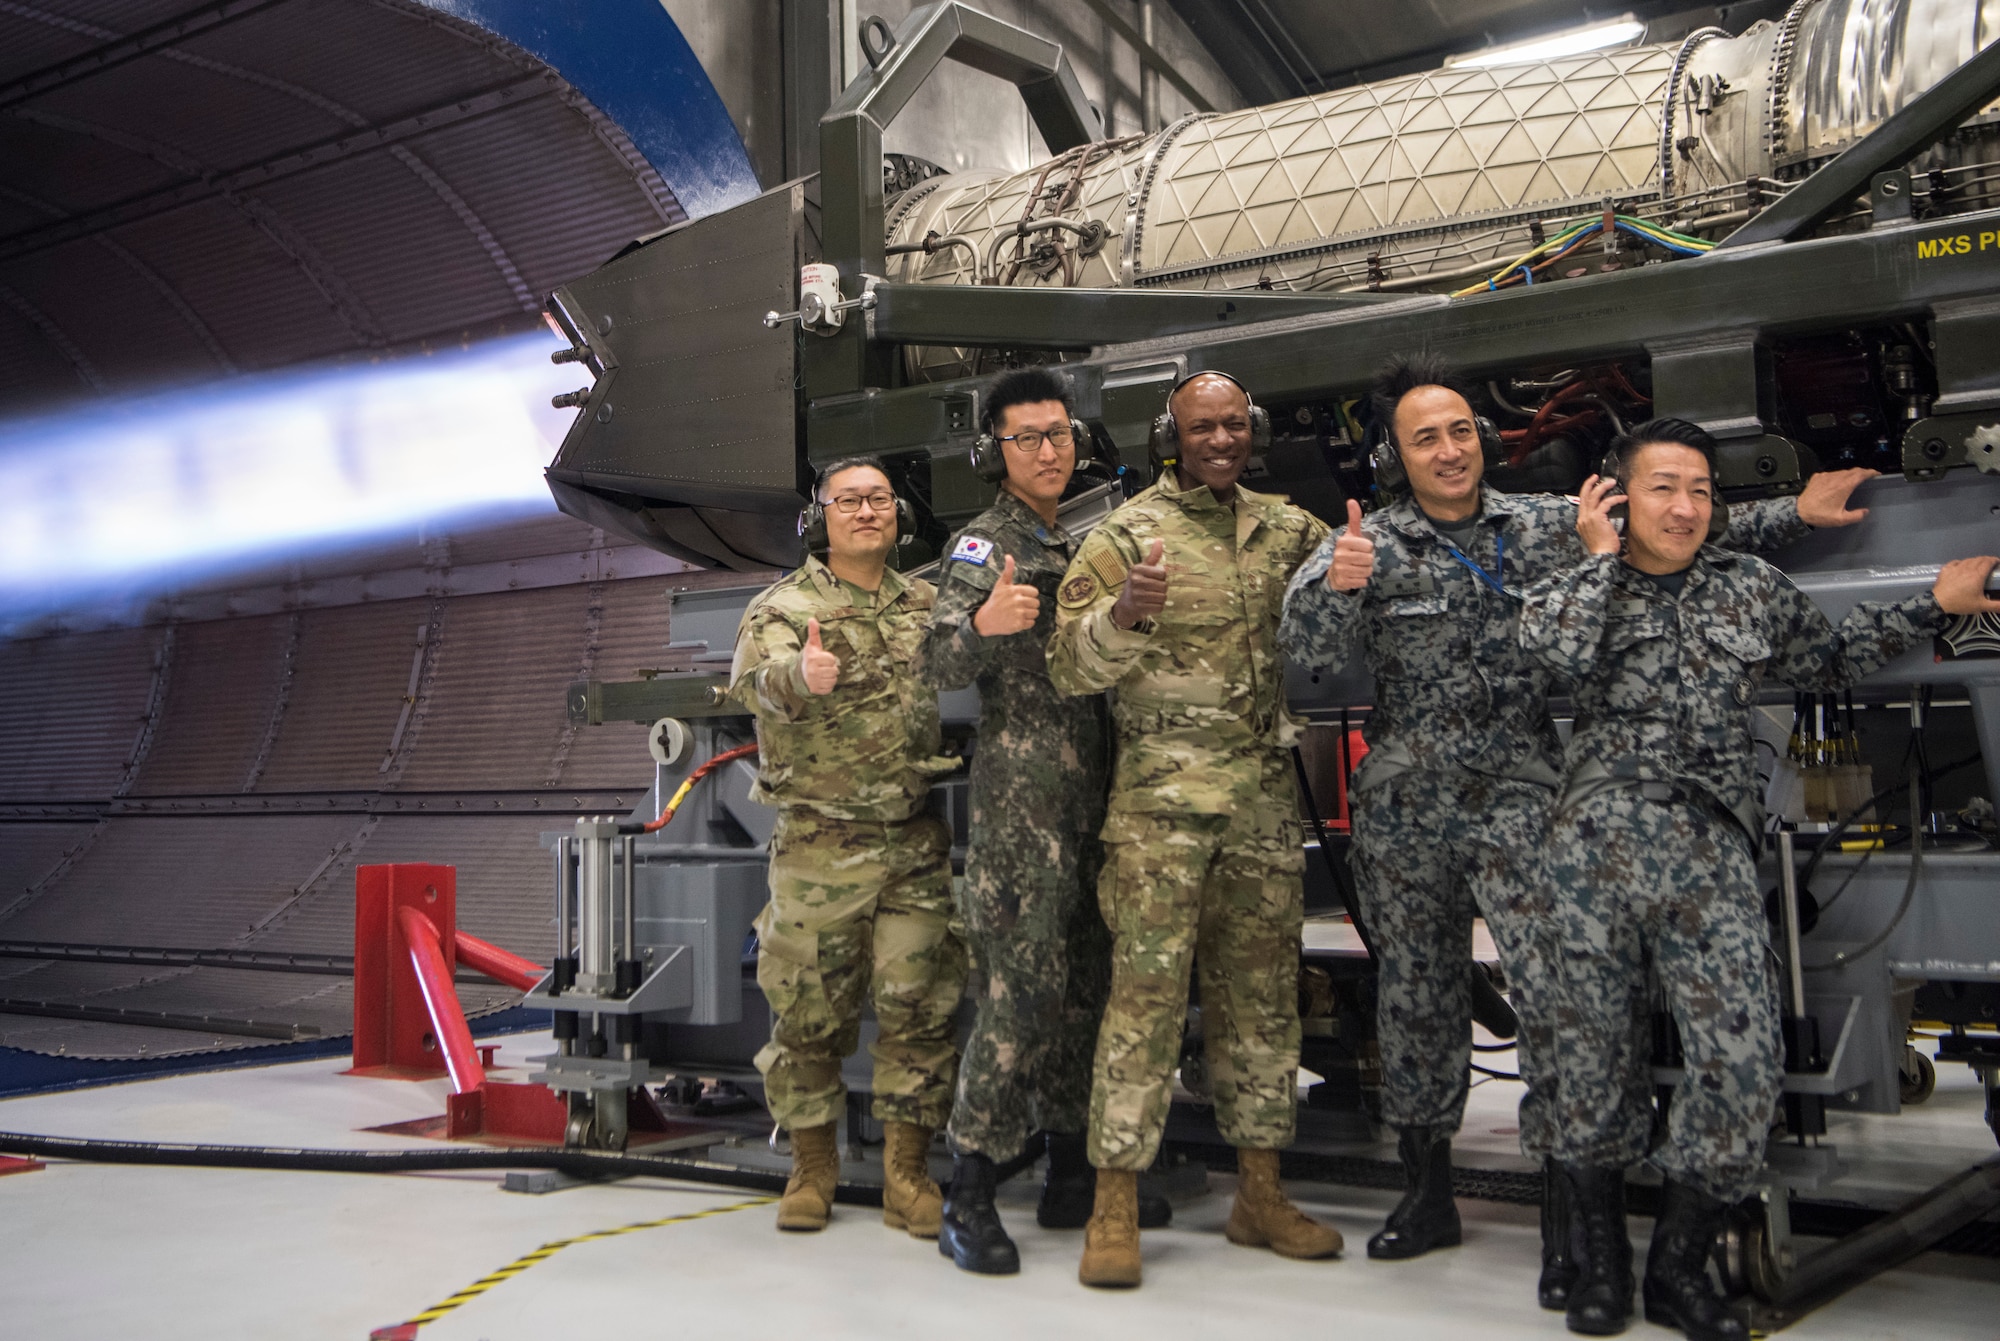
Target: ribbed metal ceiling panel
[73, 982]
[410, 258]
[495, 713]
[632, 635]
[348, 691]
[554, 234]
[309, 179]
[553, 534]
[72, 712]
[221, 706]
[29, 852]
[261, 307]
[194, 882]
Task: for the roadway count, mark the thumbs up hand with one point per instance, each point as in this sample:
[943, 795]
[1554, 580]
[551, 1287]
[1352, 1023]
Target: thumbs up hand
[1011, 607]
[818, 667]
[1353, 555]
[1145, 593]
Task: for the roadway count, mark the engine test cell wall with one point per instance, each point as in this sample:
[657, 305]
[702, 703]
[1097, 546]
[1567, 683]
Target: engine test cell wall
[212, 784]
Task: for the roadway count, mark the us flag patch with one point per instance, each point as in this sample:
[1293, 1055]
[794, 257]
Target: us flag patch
[971, 549]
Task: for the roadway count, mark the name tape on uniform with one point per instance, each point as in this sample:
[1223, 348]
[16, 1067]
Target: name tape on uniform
[971, 549]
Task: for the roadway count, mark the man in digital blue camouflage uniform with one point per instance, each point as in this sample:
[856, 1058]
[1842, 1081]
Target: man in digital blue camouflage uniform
[1653, 853]
[1450, 805]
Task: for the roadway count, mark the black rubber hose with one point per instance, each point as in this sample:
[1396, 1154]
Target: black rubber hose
[1348, 899]
[576, 1163]
[1839, 830]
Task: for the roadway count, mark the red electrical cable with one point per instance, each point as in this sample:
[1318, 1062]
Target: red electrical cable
[667, 815]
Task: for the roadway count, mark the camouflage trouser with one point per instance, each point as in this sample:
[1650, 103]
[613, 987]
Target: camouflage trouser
[1673, 882]
[1037, 937]
[855, 906]
[1228, 891]
[1432, 851]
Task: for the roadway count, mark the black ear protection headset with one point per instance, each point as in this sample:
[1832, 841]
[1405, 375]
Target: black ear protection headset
[989, 456]
[812, 517]
[1389, 471]
[1163, 445]
[1617, 463]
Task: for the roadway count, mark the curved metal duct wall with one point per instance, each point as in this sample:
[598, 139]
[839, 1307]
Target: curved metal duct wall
[1438, 176]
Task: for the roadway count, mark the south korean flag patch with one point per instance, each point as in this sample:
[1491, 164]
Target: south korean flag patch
[971, 549]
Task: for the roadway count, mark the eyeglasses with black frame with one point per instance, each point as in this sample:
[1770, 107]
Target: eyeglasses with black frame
[849, 504]
[1029, 441]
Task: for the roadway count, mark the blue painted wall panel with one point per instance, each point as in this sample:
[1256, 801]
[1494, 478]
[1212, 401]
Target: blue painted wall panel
[629, 58]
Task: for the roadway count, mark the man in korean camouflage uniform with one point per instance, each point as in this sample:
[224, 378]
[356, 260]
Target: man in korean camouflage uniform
[1653, 853]
[1037, 800]
[848, 743]
[1450, 805]
[1173, 602]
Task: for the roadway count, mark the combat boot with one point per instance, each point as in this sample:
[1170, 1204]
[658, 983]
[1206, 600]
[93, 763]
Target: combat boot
[1426, 1217]
[910, 1200]
[1600, 1298]
[1069, 1189]
[1264, 1217]
[808, 1198]
[1678, 1292]
[970, 1233]
[1559, 1248]
[1111, 1239]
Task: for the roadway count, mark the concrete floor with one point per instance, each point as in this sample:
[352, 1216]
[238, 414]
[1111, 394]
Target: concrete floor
[103, 1251]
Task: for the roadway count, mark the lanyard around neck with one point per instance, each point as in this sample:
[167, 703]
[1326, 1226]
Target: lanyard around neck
[1496, 579]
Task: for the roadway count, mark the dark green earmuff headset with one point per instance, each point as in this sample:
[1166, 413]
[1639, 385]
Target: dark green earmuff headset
[1389, 471]
[1616, 463]
[1163, 445]
[989, 456]
[812, 517]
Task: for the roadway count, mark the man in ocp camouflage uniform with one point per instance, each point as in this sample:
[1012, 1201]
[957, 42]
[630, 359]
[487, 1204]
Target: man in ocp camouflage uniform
[1653, 853]
[1037, 800]
[848, 743]
[1173, 603]
[1450, 805]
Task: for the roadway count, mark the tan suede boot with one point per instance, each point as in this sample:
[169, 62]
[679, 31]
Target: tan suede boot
[1111, 1239]
[808, 1198]
[910, 1200]
[1264, 1218]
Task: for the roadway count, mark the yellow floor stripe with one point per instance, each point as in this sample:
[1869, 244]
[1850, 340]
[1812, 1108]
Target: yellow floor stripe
[550, 1249]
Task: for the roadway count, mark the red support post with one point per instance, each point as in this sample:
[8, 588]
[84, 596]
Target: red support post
[448, 1025]
[503, 966]
[407, 1019]
[393, 1035]
[1347, 757]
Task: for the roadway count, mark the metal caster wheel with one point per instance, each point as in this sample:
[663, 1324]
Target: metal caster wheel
[1918, 1075]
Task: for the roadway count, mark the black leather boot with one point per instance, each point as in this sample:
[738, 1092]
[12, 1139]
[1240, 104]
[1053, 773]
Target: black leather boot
[1600, 1298]
[1426, 1217]
[1560, 1251]
[1069, 1189]
[971, 1234]
[1678, 1292]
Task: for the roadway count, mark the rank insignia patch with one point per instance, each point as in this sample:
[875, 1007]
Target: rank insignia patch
[971, 549]
[1078, 591]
